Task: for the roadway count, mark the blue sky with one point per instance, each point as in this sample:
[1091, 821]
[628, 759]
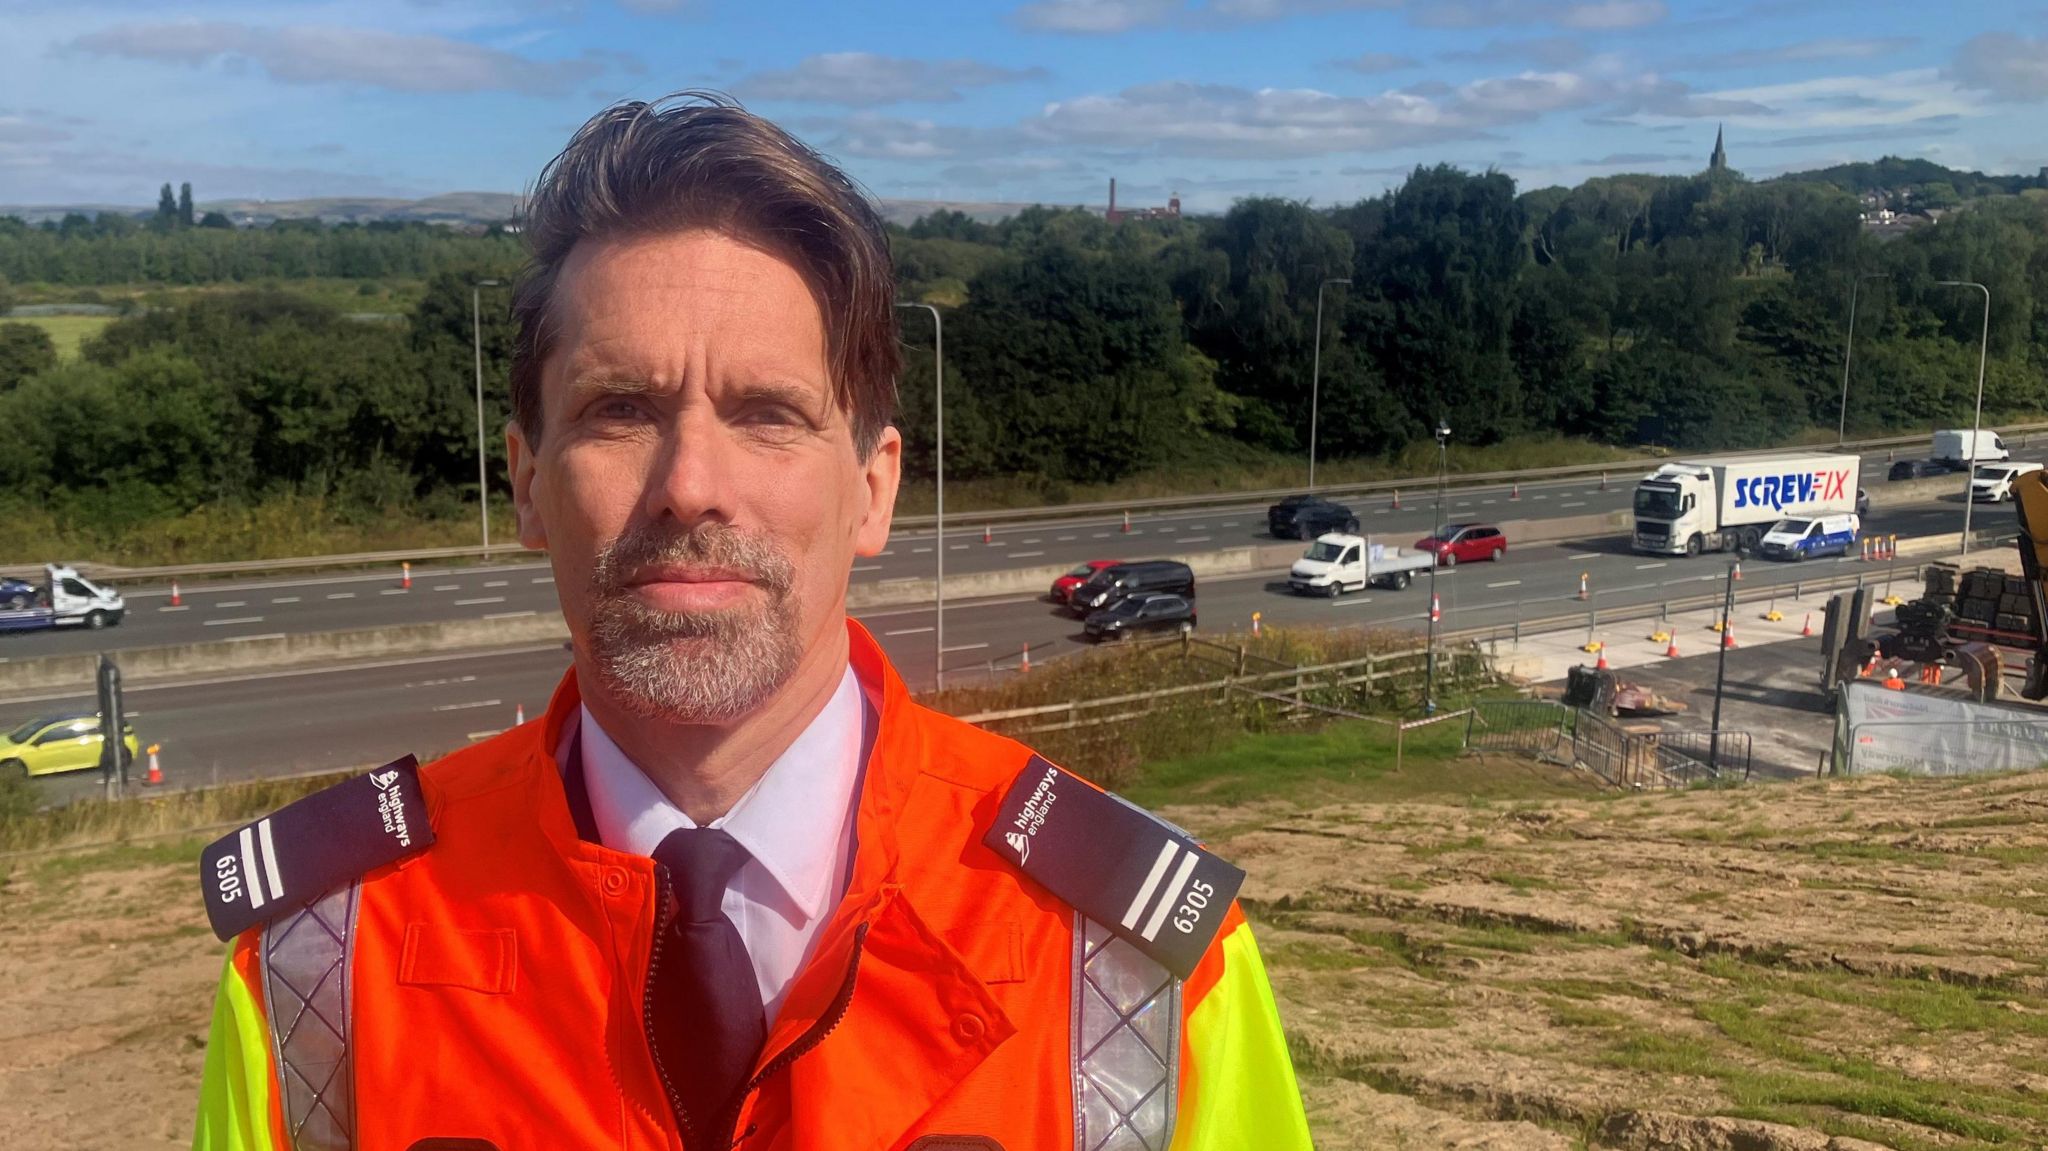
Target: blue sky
[1021, 100]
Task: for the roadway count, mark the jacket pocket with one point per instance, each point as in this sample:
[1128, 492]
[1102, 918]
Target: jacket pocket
[436, 955]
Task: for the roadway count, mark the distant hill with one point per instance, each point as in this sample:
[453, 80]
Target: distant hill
[459, 209]
[1894, 173]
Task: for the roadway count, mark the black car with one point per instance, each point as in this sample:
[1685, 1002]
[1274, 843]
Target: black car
[1117, 581]
[1306, 517]
[1146, 611]
[1916, 469]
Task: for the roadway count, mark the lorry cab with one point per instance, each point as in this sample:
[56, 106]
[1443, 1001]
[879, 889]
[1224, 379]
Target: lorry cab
[1673, 509]
[1800, 539]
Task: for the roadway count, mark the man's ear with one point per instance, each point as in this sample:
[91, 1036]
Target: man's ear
[520, 461]
[883, 473]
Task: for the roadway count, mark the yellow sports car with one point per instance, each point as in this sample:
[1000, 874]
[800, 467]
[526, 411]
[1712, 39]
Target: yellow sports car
[54, 743]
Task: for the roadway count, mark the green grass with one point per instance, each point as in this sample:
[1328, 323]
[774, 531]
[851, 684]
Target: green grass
[1345, 762]
[68, 332]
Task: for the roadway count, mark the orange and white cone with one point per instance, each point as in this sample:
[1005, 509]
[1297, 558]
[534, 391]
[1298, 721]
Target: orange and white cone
[1738, 571]
[1396, 505]
[1516, 493]
[986, 535]
[1127, 523]
[1255, 625]
[1024, 664]
[518, 714]
[1671, 648]
[176, 599]
[1601, 663]
[1436, 610]
[156, 770]
[405, 575]
[1728, 635]
[1806, 629]
[1583, 593]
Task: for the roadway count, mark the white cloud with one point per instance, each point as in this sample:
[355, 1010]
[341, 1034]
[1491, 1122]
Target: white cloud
[1801, 52]
[1095, 17]
[874, 137]
[658, 7]
[1839, 102]
[1609, 14]
[1586, 15]
[864, 79]
[355, 57]
[1547, 51]
[1264, 10]
[2007, 66]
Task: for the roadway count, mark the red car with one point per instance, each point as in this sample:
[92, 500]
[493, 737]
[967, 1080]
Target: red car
[1063, 587]
[1463, 543]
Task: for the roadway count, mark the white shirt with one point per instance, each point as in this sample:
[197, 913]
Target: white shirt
[796, 822]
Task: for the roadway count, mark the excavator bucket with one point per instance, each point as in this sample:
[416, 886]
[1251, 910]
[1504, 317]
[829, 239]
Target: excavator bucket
[2030, 500]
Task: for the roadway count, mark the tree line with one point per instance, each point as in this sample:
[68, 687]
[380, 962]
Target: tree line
[1694, 312]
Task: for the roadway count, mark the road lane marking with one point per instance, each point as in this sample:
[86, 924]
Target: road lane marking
[1034, 541]
[920, 551]
[956, 547]
[1063, 539]
[1506, 583]
[286, 599]
[468, 706]
[867, 567]
[963, 647]
[341, 595]
[1650, 567]
[235, 620]
[1099, 536]
[1573, 504]
[509, 614]
[479, 601]
[447, 587]
[906, 631]
[1024, 555]
[544, 579]
[180, 607]
[1192, 540]
[232, 603]
[1199, 528]
[887, 552]
[496, 583]
[396, 591]
[1539, 497]
[247, 638]
[1584, 556]
[1354, 602]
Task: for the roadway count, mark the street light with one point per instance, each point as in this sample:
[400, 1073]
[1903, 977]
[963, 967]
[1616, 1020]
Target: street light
[1842, 420]
[1315, 381]
[476, 328]
[1443, 439]
[1977, 428]
[939, 550]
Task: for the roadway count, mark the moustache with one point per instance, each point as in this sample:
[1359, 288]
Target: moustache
[704, 545]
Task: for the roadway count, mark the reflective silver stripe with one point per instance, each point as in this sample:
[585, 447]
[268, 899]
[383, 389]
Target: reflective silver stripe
[306, 986]
[1126, 1044]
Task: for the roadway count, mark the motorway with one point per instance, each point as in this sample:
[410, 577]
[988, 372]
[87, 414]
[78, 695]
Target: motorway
[245, 609]
[278, 722]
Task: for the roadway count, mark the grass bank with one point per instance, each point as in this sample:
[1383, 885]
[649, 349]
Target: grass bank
[67, 332]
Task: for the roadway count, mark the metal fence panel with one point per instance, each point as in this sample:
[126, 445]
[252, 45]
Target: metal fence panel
[1529, 726]
[1883, 730]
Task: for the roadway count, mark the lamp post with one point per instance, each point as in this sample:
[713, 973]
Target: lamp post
[1443, 439]
[476, 329]
[1977, 426]
[1315, 380]
[939, 539]
[1842, 420]
[1721, 668]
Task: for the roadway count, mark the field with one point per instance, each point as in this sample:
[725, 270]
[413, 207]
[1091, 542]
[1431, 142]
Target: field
[68, 331]
[1468, 953]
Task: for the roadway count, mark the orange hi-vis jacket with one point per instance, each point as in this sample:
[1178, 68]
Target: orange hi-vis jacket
[490, 991]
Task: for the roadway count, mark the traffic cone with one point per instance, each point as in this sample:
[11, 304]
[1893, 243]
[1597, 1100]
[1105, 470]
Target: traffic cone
[986, 536]
[1671, 649]
[1869, 669]
[1436, 611]
[1601, 663]
[1024, 664]
[156, 770]
[1583, 594]
[1127, 523]
[405, 575]
[1255, 625]
[1866, 549]
[518, 714]
[1728, 636]
[1517, 493]
[1738, 571]
[1891, 547]
[1397, 500]
[176, 599]
[1603, 481]
[1806, 629]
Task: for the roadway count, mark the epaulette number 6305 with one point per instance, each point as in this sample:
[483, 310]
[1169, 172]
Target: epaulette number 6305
[1192, 905]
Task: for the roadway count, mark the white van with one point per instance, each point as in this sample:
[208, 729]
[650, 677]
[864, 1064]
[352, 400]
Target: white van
[1337, 563]
[1992, 483]
[1799, 539]
[1952, 447]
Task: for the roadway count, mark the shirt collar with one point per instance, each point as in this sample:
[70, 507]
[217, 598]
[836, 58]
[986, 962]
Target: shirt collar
[793, 821]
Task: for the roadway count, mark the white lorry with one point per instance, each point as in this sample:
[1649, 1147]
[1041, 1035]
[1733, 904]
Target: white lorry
[1722, 505]
[1337, 563]
[1954, 448]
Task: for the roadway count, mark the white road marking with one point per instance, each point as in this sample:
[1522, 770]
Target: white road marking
[1230, 523]
[396, 591]
[1063, 539]
[1024, 555]
[1192, 540]
[964, 647]
[920, 551]
[247, 638]
[1573, 504]
[496, 583]
[1584, 556]
[467, 706]
[1506, 583]
[235, 620]
[544, 579]
[477, 735]
[1539, 497]
[232, 603]
[956, 547]
[480, 601]
[867, 567]
[180, 607]
[1354, 602]
[341, 595]
[509, 614]
[1034, 541]
[1099, 536]
[1198, 527]
[1649, 567]
[907, 631]
[286, 599]
[447, 587]
[887, 552]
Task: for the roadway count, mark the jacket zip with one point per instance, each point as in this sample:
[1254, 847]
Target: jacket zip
[805, 1042]
[661, 922]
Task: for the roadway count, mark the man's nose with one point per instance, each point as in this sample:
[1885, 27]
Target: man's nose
[692, 480]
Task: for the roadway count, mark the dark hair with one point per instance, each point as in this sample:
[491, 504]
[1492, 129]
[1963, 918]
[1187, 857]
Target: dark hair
[699, 160]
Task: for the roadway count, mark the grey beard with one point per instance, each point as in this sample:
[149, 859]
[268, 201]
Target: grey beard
[693, 667]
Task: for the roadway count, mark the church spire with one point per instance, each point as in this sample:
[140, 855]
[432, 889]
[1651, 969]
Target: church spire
[1719, 161]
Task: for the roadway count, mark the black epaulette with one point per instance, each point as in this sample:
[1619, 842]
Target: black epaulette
[1141, 877]
[305, 849]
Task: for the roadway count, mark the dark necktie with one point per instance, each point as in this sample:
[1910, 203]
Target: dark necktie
[705, 1017]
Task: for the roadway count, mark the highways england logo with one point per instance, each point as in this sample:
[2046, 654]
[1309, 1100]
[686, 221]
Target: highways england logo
[1019, 844]
[1032, 817]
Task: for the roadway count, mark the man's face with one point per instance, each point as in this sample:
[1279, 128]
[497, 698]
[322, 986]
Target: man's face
[695, 483]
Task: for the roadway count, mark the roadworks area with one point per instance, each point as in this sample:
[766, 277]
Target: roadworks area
[1779, 967]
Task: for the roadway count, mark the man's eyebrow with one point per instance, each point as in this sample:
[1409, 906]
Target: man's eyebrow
[608, 382]
[777, 392]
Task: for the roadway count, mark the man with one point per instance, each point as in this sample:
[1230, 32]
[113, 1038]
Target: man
[735, 889]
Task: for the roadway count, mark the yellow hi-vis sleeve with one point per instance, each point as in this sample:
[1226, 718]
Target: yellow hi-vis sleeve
[1238, 1088]
[234, 1095]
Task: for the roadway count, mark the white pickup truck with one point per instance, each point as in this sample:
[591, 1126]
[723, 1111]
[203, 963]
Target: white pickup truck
[1337, 563]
